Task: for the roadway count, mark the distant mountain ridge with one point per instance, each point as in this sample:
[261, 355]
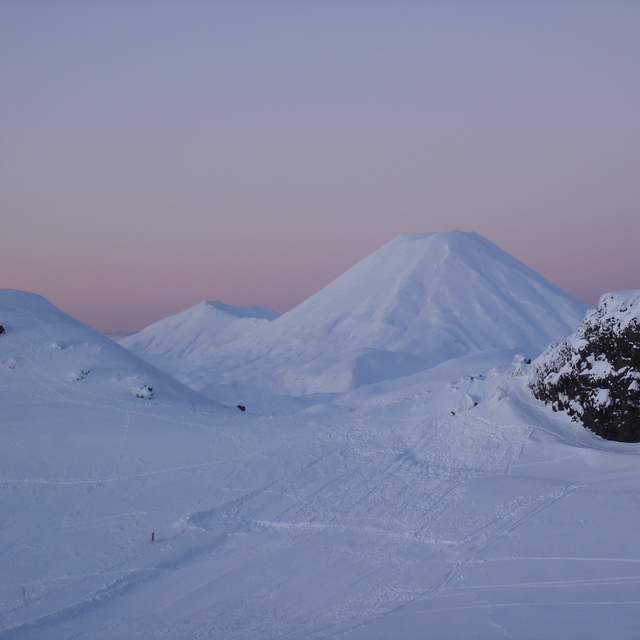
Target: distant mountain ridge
[199, 330]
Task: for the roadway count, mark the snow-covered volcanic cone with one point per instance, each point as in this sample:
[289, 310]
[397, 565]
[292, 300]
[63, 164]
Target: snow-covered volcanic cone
[46, 355]
[418, 301]
[199, 330]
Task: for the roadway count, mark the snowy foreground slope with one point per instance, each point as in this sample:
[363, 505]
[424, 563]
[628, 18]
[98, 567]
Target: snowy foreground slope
[441, 505]
[503, 520]
[418, 301]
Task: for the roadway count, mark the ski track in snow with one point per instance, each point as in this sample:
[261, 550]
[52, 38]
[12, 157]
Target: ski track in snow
[398, 485]
[345, 503]
[355, 487]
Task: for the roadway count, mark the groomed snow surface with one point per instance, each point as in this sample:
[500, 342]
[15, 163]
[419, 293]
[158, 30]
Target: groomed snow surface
[424, 494]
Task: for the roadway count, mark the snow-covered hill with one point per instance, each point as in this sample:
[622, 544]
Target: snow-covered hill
[416, 302]
[46, 354]
[199, 330]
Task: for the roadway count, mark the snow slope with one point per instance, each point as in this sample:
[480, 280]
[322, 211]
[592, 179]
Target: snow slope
[400, 520]
[47, 354]
[416, 302]
[199, 330]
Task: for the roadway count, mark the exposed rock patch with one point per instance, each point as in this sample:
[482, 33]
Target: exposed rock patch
[594, 375]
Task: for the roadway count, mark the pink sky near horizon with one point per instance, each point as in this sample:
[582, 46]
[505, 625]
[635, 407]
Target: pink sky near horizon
[155, 154]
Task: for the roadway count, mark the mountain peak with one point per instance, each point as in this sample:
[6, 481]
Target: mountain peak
[417, 301]
[239, 312]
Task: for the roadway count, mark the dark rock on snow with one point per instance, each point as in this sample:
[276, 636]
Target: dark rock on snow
[594, 375]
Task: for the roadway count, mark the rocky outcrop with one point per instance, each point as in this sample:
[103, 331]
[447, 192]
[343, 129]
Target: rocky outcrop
[594, 375]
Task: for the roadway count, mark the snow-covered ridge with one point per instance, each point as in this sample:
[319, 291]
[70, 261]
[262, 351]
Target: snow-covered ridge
[620, 307]
[199, 330]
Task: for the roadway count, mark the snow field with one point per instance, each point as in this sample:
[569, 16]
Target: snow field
[335, 525]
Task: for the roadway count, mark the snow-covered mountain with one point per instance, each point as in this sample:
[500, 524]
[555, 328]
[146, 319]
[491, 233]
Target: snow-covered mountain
[418, 301]
[199, 330]
[45, 354]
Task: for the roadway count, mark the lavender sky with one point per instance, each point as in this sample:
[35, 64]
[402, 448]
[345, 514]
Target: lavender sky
[155, 154]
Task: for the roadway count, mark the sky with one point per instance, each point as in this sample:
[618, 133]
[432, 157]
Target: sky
[155, 154]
